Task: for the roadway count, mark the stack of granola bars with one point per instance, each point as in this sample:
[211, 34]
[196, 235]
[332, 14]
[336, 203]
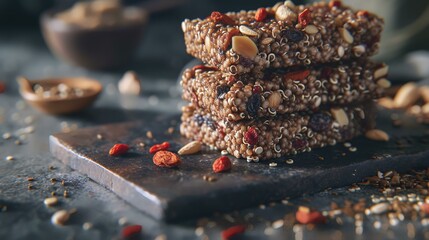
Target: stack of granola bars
[283, 79]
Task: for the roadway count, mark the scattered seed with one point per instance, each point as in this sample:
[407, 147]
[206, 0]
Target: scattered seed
[7, 136]
[52, 201]
[10, 158]
[149, 134]
[122, 221]
[87, 226]
[224, 152]
[99, 136]
[170, 130]
[30, 179]
[278, 224]
[407, 95]
[30, 187]
[377, 135]
[244, 46]
[352, 149]
[66, 194]
[379, 208]
[60, 217]
[289, 161]
[273, 164]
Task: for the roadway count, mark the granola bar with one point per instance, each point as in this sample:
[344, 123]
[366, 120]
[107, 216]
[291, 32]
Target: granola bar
[266, 95]
[280, 136]
[286, 35]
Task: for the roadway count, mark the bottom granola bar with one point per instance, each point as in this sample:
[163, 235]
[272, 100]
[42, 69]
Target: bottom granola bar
[277, 137]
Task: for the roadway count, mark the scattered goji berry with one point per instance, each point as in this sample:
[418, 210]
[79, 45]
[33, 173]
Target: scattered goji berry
[221, 164]
[334, 3]
[298, 75]
[131, 232]
[306, 216]
[261, 14]
[251, 136]
[118, 149]
[158, 147]
[227, 37]
[166, 159]
[304, 18]
[222, 18]
[2, 87]
[232, 231]
[362, 13]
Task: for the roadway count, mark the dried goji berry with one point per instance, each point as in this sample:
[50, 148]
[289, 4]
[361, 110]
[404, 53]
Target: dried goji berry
[251, 136]
[2, 87]
[221, 164]
[158, 147]
[227, 37]
[118, 149]
[304, 18]
[232, 231]
[362, 13]
[306, 216]
[299, 75]
[166, 159]
[261, 14]
[334, 3]
[131, 232]
[222, 18]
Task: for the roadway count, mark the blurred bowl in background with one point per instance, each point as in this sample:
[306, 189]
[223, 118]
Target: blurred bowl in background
[95, 48]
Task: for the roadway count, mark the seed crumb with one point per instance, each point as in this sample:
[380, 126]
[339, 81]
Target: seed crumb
[149, 134]
[122, 221]
[51, 167]
[273, 164]
[289, 161]
[170, 130]
[18, 142]
[63, 182]
[87, 226]
[30, 179]
[66, 194]
[141, 144]
[52, 201]
[352, 149]
[99, 136]
[60, 217]
[7, 136]
[30, 187]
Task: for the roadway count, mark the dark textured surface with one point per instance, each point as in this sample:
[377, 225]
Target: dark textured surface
[172, 194]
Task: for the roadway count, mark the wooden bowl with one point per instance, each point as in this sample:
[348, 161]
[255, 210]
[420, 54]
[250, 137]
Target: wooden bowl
[94, 48]
[59, 106]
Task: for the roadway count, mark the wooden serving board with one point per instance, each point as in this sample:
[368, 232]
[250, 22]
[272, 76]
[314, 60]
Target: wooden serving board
[180, 193]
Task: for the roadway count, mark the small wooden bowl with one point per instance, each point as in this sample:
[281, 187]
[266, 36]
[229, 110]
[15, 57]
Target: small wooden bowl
[97, 48]
[59, 106]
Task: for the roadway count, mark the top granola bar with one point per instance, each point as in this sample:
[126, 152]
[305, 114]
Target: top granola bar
[282, 36]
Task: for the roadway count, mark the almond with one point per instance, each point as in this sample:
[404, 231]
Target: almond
[340, 116]
[384, 83]
[424, 92]
[247, 31]
[381, 72]
[386, 102]
[377, 135]
[346, 35]
[274, 100]
[190, 148]
[407, 95]
[244, 46]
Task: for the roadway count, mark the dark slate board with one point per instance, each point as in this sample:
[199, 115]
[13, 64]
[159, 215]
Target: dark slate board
[172, 194]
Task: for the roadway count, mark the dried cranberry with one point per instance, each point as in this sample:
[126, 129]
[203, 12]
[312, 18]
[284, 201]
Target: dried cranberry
[257, 89]
[251, 136]
[221, 91]
[299, 144]
[320, 122]
[292, 35]
[253, 105]
[199, 119]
